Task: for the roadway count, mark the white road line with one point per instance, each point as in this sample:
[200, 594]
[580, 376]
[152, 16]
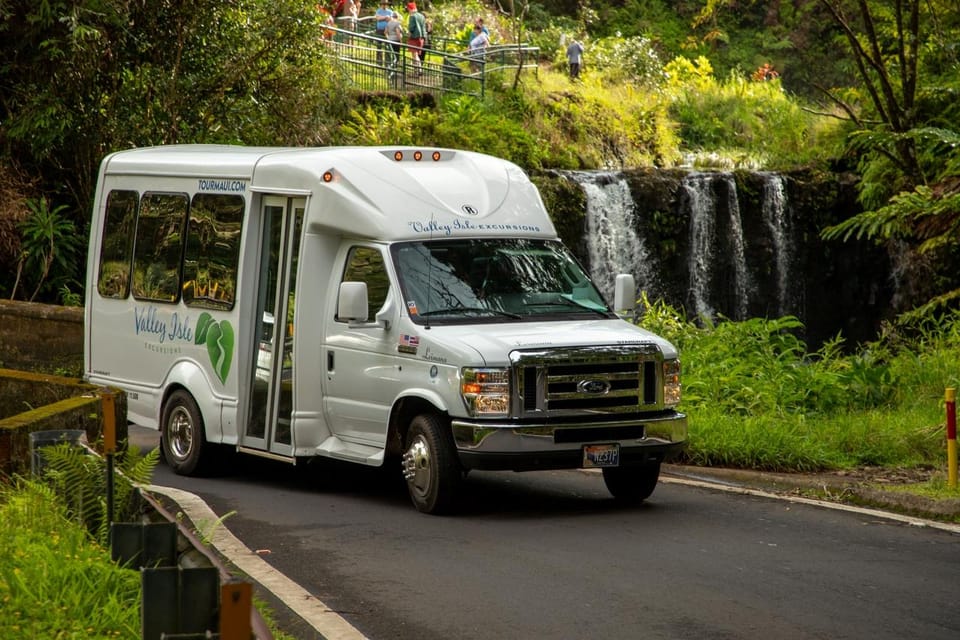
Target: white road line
[322, 618]
[874, 513]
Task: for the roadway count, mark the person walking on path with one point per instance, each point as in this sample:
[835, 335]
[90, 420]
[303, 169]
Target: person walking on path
[574, 57]
[478, 46]
[394, 33]
[383, 17]
[416, 35]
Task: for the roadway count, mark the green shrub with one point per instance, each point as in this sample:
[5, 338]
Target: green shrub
[757, 119]
[757, 398]
[54, 581]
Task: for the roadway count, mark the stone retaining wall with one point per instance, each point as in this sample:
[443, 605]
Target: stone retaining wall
[32, 402]
[41, 337]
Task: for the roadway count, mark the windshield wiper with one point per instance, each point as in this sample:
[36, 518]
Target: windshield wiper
[456, 311]
[563, 301]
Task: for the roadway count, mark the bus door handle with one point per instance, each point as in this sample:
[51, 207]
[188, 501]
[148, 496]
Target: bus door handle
[330, 361]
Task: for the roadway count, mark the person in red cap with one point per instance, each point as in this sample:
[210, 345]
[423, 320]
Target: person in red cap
[416, 35]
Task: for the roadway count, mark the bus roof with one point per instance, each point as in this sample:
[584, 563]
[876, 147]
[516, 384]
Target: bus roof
[386, 193]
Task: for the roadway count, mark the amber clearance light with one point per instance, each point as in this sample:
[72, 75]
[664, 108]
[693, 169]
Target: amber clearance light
[398, 155]
[328, 176]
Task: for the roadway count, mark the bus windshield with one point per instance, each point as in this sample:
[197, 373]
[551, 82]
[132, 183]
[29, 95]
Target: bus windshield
[493, 280]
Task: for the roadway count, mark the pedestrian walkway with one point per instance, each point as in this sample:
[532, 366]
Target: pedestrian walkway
[444, 70]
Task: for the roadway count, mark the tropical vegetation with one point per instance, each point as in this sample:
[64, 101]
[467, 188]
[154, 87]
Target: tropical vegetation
[863, 85]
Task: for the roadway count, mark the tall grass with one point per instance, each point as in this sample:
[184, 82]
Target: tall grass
[757, 398]
[54, 581]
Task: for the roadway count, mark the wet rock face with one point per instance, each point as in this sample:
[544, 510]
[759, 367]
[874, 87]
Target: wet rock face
[730, 244]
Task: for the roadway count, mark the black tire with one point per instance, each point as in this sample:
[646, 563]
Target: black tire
[632, 484]
[430, 465]
[184, 445]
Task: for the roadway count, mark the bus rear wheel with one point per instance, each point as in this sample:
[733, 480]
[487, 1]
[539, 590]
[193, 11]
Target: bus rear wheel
[430, 465]
[182, 436]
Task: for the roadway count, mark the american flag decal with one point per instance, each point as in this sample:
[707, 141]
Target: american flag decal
[409, 341]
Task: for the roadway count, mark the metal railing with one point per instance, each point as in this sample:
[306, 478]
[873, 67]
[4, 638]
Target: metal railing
[376, 64]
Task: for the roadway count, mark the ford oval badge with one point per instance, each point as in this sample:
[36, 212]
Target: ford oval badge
[593, 387]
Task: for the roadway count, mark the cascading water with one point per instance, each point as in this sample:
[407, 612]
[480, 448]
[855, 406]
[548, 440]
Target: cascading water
[709, 250]
[734, 245]
[613, 245]
[776, 215]
[699, 202]
[724, 271]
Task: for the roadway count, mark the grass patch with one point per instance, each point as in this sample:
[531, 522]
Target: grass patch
[57, 579]
[55, 582]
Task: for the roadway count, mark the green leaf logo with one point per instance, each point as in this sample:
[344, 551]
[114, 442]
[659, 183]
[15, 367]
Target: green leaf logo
[218, 336]
[203, 325]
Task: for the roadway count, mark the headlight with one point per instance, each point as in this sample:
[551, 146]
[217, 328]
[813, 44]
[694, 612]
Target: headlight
[486, 392]
[671, 383]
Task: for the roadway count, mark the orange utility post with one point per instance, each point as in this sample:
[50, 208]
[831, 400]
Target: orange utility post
[951, 437]
[236, 599]
[109, 412]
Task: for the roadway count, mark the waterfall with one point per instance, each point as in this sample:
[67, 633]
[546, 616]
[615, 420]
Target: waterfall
[613, 245]
[731, 254]
[776, 215]
[710, 251]
[699, 203]
[733, 245]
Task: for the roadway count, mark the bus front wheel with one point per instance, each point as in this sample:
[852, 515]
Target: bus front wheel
[632, 484]
[430, 465]
[182, 437]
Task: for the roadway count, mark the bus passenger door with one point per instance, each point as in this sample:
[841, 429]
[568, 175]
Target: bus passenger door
[268, 427]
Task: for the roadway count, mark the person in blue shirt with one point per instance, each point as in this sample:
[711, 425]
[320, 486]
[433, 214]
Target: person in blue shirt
[383, 17]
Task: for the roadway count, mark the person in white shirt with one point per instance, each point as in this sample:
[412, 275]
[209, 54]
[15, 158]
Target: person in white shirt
[574, 57]
[478, 45]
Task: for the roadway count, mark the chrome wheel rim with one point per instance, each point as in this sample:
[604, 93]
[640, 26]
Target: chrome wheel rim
[417, 466]
[180, 433]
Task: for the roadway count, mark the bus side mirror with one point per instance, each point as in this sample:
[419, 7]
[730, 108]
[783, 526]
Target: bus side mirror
[624, 293]
[352, 302]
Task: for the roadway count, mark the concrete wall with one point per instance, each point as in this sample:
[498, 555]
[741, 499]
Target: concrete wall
[37, 338]
[41, 337]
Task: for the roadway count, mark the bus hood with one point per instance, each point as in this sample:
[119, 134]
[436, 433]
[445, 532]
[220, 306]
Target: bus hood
[494, 342]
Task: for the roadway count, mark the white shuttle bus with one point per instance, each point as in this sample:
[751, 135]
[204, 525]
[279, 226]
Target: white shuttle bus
[367, 304]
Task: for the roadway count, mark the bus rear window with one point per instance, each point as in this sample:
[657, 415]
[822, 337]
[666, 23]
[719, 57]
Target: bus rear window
[116, 244]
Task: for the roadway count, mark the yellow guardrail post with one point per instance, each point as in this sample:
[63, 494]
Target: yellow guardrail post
[951, 398]
[109, 414]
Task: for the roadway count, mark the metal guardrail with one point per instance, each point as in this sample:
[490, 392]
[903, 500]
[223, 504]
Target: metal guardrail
[376, 64]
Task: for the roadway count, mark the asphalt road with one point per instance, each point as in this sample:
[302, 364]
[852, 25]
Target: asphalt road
[550, 555]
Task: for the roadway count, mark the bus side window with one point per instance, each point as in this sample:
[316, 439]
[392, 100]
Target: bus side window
[365, 264]
[116, 244]
[212, 251]
[158, 249]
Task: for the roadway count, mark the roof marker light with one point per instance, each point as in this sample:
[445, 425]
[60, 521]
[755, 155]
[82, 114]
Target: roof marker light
[398, 155]
[436, 156]
[328, 176]
[418, 155]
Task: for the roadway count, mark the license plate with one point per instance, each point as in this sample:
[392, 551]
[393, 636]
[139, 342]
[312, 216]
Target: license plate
[601, 455]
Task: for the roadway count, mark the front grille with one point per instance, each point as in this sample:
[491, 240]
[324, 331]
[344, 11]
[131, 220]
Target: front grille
[591, 381]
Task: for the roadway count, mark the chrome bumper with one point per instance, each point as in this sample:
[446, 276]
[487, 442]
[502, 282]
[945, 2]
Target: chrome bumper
[509, 446]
